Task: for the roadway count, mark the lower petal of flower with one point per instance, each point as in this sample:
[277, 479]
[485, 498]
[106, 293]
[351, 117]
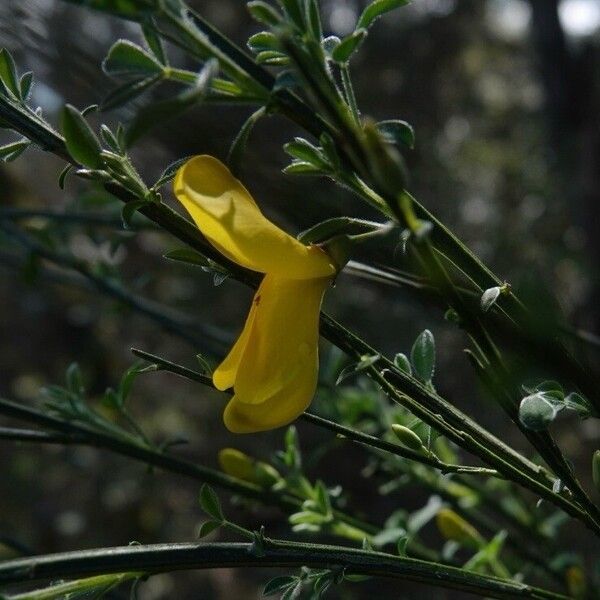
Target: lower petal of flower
[282, 343]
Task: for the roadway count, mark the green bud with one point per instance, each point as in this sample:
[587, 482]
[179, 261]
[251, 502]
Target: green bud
[407, 437]
[266, 475]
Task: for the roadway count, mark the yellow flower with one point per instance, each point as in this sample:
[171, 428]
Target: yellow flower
[273, 365]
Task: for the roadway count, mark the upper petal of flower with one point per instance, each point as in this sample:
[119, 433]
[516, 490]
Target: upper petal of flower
[282, 343]
[227, 215]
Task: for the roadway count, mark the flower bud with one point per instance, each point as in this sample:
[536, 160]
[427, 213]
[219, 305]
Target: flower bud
[266, 475]
[407, 437]
[453, 527]
[237, 464]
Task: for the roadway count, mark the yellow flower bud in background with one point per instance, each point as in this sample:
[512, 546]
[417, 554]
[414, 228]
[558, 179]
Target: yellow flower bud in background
[453, 527]
[240, 465]
[575, 579]
[237, 464]
[407, 437]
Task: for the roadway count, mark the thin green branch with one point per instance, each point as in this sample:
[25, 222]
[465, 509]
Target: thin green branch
[347, 432]
[160, 558]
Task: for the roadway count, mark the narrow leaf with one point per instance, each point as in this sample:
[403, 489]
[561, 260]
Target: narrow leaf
[397, 132]
[8, 73]
[128, 91]
[348, 46]
[422, 356]
[82, 143]
[209, 501]
[238, 147]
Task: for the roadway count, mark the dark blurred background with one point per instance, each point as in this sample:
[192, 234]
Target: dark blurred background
[504, 98]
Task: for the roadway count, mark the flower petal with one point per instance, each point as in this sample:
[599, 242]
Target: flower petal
[283, 340]
[279, 410]
[224, 375]
[227, 215]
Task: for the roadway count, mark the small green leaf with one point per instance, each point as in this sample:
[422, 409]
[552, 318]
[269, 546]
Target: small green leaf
[422, 356]
[128, 380]
[314, 19]
[25, 84]
[305, 151]
[272, 58]
[109, 138]
[188, 256]
[170, 171]
[325, 230]
[8, 73]
[154, 41]
[300, 167]
[537, 411]
[208, 527]
[127, 58]
[397, 132]
[348, 46]
[294, 11]
[209, 502]
[278, 584]
[128, 91]
[63, 175]
[264, 13]
[10, 152]
[401, 361]
[377, 8]
[238, 147]
[579, 404]
[402, 544]
[82, 143]
[265, 40]
[129, 210]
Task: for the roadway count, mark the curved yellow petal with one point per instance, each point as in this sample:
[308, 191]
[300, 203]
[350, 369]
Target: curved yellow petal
[225, 374]
[279, 410]
[282, 343]
[225, 212]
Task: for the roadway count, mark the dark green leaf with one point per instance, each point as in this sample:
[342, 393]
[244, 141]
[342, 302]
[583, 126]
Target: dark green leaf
[402, 362]
[128, 91]
[325, 230]
[129, 210]
[579, 404]
[8, 73]
[264, 40]
[159, 112]
[377, 8]
[299, 167]
[350, 44]
[537, 411]
[209, 502]
[305, 151]
[127, 58]
[264, 13]
[273, 58]
[25, 84]
[330, 151]
[238, 147]
[313, 19]
[188, 256]
[422, 356]
[278, 584]
[109, 139]
[397, 132]
[63, 175]
[82, 143]
[293, 9]
[154, 41]
[208, 527]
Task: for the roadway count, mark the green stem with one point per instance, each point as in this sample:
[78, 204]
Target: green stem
[160, 558]
[349, 92]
